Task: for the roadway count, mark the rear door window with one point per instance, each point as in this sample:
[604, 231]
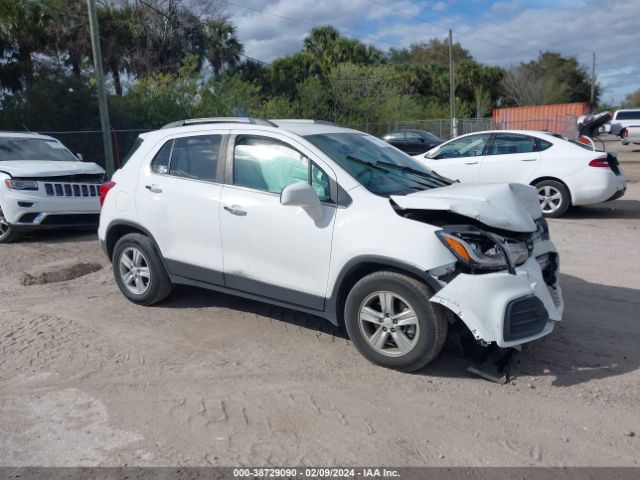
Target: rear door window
[509, 143]
[195, 157]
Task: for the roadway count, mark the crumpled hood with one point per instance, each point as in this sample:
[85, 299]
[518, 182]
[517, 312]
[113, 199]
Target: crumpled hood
[42, 168]
[509, 206]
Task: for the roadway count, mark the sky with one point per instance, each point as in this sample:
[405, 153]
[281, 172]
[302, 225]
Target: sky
[502, 32]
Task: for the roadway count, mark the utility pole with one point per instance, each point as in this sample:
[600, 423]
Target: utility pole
[452, 89]
[102, 93]
[593, 80]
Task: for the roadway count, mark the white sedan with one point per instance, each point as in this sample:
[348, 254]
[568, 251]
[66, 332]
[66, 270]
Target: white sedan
[565, 172]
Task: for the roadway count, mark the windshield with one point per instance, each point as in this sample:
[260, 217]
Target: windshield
[17, 148]
[376, 165]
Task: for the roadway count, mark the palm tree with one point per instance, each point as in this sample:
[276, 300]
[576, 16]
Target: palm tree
[223, 48]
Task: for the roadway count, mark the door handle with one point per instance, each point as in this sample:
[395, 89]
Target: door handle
[471, 162]
[235, 210]
[528, 160]
[153, 188]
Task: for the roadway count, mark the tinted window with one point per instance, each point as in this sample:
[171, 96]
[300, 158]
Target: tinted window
[413, 137]
[395, 136]
[544, 144]
[470, 146]
[195, 157]
[266, 164]
[18, 148]
[632, 115]
[160, 163]
[505, 143]
[136, 145]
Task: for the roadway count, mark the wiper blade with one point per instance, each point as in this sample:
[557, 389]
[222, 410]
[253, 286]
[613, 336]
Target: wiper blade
[376, 166]
[368, 164]
[429, 176]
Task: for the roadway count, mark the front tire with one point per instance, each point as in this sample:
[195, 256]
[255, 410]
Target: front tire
[139, 271]
[554, 198]
[7, 233]
[391, 322]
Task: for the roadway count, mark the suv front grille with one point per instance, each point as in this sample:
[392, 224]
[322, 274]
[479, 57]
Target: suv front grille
[71, 190]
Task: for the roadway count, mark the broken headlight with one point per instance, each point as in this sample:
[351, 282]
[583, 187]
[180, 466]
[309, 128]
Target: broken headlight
[480, 250]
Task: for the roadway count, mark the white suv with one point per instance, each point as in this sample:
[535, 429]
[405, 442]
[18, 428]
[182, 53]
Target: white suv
[336, 223]
[44, 185]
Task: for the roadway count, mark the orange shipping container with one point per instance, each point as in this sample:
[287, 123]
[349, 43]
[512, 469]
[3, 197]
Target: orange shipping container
[559, 118]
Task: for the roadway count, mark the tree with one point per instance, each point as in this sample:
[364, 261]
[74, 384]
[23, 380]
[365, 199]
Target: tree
[632, 100]
[432, 51]
[551, 78]
[222, 47]
[25, 30]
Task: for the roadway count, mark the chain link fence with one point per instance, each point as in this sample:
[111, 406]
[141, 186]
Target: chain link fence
[89, 142]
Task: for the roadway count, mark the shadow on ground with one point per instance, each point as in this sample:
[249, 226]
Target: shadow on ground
[597, 338]
[616, 209]
[59, 236]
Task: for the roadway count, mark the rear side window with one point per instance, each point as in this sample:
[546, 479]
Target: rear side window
[136, 145]
[189, 157]
[631, 115]
[543, 145]
[160, 163]
[195, 157]
[505, 143]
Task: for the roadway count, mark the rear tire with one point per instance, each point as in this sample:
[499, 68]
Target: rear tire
[139, 271]
[554, 198]
[392, 323]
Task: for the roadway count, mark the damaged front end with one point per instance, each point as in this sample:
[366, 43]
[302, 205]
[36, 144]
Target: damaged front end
[504, 285]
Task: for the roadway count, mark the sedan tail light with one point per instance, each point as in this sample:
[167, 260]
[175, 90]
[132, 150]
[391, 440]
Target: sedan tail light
[599, 162]
[625, 133]
[104, 189]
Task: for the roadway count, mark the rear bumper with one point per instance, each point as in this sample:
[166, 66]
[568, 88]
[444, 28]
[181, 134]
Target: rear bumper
[509, 309]
[595, 185]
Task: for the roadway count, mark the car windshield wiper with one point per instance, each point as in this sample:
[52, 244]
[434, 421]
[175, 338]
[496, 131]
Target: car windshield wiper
[429, 176]
[376, 166]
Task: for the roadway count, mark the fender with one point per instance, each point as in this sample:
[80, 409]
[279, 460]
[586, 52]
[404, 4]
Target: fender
[126, 223]
[338, 295]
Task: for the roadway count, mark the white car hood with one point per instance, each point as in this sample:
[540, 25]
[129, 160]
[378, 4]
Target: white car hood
[41, 168]
[509, 206]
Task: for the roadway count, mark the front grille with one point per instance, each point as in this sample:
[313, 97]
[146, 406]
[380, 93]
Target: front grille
[523, 318]
[71, 190]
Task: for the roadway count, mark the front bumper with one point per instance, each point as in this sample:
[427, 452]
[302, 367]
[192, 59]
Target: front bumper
[508, 309]
[34, 210]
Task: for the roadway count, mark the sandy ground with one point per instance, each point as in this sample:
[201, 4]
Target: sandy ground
[87, 378]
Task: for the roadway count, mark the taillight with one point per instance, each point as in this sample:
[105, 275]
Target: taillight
[104, 189]
[625, 133]
[599, 162]
[584, 140]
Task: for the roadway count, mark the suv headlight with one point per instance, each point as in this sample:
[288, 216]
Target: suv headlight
[480, 250]
[21, 184]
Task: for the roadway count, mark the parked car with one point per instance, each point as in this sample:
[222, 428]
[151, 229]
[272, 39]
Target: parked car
[412, 141]
[44, 185]
[564, 172]
[336, 223]
[624, 118]
[630, 134]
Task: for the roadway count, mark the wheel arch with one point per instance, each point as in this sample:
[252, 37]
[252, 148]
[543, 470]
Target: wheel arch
[361, 266]
[118, 229]
[555, 179]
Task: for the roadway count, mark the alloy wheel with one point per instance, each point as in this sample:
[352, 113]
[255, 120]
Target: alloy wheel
[389, 324]
[134, 270]
[4, 225]
[550, 198]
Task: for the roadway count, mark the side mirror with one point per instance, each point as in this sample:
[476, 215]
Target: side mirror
[302, 195]
[80, 157]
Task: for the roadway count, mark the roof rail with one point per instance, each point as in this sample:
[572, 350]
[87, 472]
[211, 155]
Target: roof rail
[297, 120]
[202, 121]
